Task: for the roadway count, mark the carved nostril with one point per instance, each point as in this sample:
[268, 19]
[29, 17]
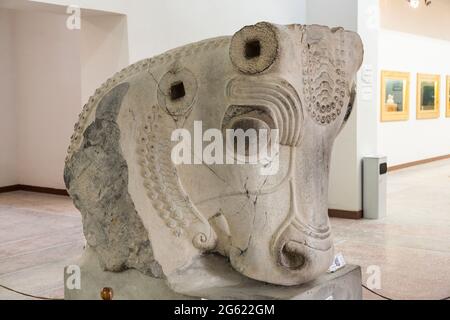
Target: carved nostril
[252, 49]
[291, 257]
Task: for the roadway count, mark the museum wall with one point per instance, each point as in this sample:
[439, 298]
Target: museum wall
[103, 50]
[341, 13]
[48, 72]
[174, 23]
[412, 140]
[104, 46]
[157, 26]
[47, 95]
[7, 110]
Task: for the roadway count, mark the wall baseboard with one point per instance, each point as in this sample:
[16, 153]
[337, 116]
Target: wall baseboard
[416, 163]
[21, 187]
[9, 188]
[344, 214]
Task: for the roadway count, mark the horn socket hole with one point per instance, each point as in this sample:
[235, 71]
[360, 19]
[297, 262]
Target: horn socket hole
[252, 49]
[177, 90]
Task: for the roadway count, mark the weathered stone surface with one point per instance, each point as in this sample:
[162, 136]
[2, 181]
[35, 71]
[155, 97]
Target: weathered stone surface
[142, 211]
[97, 180]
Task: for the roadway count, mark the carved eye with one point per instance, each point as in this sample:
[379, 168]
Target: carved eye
[254, 49]
[176, 91]
[249, 125]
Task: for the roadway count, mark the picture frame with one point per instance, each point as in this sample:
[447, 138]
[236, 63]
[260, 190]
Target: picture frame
[428, 96]
[395, 89]
[447, 98]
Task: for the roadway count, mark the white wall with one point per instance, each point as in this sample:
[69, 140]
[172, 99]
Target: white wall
[368, 89]
[47, 95]
[47, 73]
[158, 25]
[7, 110]
[104, 50]
[176, 22]
[340, 13]
[50, 88]
[413, 140]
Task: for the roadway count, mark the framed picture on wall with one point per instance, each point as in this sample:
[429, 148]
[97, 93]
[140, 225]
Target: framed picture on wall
[428, 90]
[447, 98]
[394, 96]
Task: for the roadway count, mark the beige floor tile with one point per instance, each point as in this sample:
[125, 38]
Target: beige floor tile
[412, 244]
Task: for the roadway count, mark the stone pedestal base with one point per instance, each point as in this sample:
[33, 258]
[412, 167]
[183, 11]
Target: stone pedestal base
[208, 278]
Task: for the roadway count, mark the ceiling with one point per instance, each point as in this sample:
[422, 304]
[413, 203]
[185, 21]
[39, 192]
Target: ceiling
[432, 21]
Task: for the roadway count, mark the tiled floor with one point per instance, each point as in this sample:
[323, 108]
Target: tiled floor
[411, 246]
[40, 234]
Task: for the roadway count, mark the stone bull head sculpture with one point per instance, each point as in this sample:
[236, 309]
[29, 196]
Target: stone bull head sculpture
[141, 211]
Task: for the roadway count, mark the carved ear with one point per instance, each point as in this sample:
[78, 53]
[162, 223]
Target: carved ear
[331, 58]
[355, 49]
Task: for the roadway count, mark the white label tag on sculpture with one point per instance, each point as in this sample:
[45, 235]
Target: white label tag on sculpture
[338, 263]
